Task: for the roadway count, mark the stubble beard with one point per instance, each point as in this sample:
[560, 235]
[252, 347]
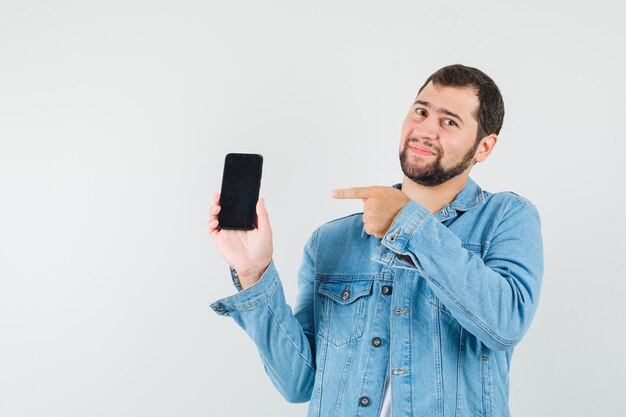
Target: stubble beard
[434, 173]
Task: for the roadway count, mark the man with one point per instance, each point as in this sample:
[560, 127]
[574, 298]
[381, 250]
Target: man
[414, 306]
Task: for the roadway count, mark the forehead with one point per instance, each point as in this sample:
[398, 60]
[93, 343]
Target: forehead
[460, 100]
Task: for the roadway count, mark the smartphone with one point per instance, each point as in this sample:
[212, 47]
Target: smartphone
[241, 183]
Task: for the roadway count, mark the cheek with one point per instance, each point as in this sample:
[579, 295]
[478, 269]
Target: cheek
[453, 152]
[405, 130]
[407, 126]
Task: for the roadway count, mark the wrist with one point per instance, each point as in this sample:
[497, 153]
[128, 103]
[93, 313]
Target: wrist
[250, 276]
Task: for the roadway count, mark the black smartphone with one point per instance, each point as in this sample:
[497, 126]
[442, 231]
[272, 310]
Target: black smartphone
[241, 183]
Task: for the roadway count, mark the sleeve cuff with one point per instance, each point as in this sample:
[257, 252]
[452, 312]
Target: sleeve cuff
[406, 223]
[251, 297]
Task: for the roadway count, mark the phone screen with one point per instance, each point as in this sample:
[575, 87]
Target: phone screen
[240, 191]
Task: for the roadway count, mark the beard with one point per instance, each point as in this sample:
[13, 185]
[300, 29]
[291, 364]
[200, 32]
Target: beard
[434, 173]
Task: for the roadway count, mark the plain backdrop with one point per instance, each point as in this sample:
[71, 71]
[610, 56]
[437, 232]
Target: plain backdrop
[115, 117]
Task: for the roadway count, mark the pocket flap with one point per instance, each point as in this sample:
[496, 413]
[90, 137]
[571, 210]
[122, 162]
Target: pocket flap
[345, 292]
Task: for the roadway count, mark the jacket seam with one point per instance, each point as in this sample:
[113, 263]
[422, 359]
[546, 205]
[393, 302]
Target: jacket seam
[379, 276]
[288, 338]
[315, 250]
[459, 385]
[261, 300]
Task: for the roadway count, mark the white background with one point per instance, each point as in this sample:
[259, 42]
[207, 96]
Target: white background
[115, 117]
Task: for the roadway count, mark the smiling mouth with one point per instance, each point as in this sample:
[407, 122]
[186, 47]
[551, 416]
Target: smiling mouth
[420, 150]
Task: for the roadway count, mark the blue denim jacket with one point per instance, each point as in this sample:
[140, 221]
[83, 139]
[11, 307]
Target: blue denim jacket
[439, 302]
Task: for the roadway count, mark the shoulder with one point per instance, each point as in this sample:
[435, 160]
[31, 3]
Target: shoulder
[342, 247]
[507, 198]
[509, 203]
[342, 225]
[338, 233]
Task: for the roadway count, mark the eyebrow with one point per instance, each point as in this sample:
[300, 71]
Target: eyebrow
[438, 110]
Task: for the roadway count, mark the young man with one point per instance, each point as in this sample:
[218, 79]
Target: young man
[414, 306]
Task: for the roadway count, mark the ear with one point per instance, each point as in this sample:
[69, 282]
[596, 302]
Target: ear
[485, 147]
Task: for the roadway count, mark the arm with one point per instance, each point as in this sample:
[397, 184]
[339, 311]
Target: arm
[262, 312]
[285, 341]
[493, 298]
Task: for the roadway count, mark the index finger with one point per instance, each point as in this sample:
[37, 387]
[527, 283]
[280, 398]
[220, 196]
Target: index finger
[354, 192]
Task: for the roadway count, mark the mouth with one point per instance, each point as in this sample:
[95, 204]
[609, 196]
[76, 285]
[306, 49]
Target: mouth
[419, 150]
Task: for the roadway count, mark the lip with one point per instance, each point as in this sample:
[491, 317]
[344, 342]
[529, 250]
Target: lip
[420, 150]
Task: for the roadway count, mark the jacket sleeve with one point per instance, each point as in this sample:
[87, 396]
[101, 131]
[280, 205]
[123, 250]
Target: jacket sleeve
[285, 341]
[493, 297]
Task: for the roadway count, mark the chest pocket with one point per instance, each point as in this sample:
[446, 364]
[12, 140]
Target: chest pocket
[344, 304]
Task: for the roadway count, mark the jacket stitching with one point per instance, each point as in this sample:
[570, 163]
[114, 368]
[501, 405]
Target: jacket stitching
[289, 339]
[257, 302]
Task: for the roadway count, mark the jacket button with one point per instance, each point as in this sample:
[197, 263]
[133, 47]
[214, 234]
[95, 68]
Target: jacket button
[364, 401]
[377, 341]
[345, 295]
[386, 290]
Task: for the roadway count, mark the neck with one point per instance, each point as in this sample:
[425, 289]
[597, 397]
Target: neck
[435, 197]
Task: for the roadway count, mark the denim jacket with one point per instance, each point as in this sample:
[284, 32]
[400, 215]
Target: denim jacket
[438, 304]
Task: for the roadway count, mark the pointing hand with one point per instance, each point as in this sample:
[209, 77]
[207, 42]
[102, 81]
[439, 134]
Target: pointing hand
[380, 206]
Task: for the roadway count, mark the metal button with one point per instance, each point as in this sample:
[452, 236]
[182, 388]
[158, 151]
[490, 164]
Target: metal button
[219, 308]
[377, 342]
[364, 401]
[345, 295]
[386, 290]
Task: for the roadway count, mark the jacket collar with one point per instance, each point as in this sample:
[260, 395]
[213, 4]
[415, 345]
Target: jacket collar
[470, 196]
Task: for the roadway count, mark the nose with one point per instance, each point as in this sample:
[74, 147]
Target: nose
[426, 129]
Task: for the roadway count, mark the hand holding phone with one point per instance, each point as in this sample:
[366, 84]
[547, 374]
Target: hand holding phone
[246, 245]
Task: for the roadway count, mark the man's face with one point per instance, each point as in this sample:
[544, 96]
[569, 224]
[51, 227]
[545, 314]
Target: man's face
[438, 136]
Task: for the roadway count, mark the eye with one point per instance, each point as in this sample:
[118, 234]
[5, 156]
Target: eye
[449, 122]
[420, 111]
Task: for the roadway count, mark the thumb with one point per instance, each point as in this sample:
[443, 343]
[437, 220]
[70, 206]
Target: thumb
[263, 220]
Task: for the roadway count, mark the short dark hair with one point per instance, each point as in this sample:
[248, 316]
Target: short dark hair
[490, 114]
